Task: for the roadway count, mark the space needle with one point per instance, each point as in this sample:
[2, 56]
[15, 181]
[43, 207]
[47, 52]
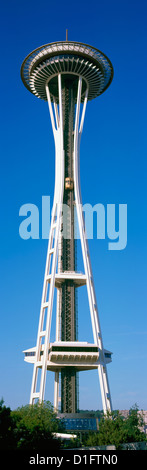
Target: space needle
[66, 75]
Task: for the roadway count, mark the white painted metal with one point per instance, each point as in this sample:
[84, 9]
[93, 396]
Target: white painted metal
[105, 392]
[53, 249]
[56, 391]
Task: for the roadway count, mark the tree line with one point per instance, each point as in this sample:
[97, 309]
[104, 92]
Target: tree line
[34, 427]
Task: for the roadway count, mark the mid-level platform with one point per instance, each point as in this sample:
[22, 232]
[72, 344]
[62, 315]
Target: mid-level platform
[79, 279]
[82, 355]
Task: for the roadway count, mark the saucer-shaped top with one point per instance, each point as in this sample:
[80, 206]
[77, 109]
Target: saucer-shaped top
[71, 59]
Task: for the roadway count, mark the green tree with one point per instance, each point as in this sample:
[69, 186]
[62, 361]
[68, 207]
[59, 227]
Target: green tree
[114, 429]
[6, 427]
[110, 431]
[34, 427]
[133, 425]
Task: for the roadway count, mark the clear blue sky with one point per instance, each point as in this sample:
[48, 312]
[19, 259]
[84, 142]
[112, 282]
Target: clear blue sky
[113, 170]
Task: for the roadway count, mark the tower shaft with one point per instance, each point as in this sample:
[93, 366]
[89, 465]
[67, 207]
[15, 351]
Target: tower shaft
[68, 313]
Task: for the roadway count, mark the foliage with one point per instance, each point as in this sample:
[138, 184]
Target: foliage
[29, 427]
[114, 429]
[33, 427]
[6, 427]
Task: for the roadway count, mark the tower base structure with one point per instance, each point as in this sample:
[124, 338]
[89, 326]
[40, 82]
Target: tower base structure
[67, 74]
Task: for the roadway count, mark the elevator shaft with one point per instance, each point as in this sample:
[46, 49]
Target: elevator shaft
[69, 390]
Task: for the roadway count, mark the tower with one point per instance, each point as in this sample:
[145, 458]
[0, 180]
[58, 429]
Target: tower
[66, 75]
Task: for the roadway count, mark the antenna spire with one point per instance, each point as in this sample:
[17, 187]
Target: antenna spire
[66, 34]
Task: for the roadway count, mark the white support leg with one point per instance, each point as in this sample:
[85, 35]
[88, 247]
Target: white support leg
[105, 392]
[54, 233]
[56, 391]
[53, 272]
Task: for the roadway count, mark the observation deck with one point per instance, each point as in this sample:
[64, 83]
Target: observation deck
[69, 58]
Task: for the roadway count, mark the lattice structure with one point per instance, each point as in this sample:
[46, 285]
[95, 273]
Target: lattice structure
[67, 74]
